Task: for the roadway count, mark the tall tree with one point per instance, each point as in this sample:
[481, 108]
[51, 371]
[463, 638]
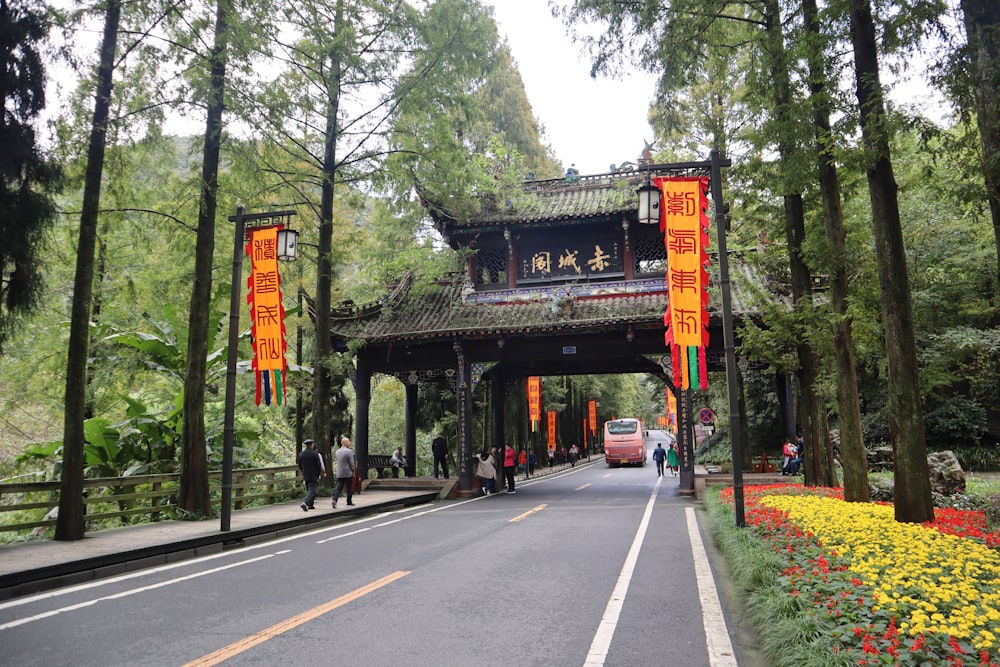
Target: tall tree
[853, 455]
[818, 455]
[982, 30]
[27, 179]
[194, 493]
[70, 522]
[906, 420]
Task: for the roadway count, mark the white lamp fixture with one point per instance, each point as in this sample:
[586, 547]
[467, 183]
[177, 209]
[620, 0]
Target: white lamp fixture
[288, 244]
[649, 203]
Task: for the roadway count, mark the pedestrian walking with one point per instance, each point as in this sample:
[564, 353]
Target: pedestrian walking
[311, 464]
[672, 459]
[660, 456]
[574, 454]
[532, 459]
[552, 457]
[346, 464]
[439, 447]
[487, 472]
[509, 463]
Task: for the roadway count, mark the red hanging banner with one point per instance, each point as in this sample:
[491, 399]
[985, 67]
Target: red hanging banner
[551, 430]
[592, 415]
[267, 315]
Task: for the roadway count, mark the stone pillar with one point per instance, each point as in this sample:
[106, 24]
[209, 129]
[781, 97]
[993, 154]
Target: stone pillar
[363, 398]
[686, 440]
[463, 395]
[499, 400]
[410, 442]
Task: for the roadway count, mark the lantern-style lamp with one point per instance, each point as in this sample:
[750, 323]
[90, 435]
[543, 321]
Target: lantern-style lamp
[288, 244]
[649, 203]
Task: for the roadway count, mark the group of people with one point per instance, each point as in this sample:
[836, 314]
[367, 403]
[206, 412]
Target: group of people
[666, 457]
[791, 456]
[311, 464]
[491, 463]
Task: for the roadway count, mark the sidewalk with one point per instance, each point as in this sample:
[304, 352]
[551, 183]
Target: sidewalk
[32, 567]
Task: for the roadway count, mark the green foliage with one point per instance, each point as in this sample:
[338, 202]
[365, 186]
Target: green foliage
[957, 421]
[28, 180]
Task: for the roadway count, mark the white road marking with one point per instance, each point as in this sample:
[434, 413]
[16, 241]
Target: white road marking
[131, 591]
[606, 629]
[720, 649]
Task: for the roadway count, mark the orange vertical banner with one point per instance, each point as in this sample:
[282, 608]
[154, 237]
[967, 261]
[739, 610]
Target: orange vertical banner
[684, 223]
[551, 415]
[592, 415]
[534, 401]
[267, 315]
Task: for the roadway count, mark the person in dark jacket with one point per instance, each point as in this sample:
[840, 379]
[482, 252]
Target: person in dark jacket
[440, 450]
[311, 465]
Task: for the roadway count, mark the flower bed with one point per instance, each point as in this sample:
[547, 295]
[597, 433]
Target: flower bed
[879, 592]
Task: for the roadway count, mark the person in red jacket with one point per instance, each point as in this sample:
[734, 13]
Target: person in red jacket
[509, 462]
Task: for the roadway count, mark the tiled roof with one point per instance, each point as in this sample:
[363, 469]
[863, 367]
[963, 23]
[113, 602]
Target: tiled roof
[571, 198]
[456, 309]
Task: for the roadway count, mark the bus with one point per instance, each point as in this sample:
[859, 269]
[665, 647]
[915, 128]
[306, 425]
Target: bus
[623, 442]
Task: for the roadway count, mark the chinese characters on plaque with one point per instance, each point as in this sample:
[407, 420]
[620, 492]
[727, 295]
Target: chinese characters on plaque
[572, 258]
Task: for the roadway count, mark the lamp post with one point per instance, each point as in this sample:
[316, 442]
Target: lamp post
[286, 251]
[649, 213]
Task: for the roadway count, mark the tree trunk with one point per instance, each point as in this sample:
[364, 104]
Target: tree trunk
[817, 440]
[982, 31]
[906, 419]
[194, 493]
[70, 522]
[322, 377]
[852, 446]
[819, 470]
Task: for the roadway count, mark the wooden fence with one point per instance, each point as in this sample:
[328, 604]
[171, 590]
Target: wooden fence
[108, 501]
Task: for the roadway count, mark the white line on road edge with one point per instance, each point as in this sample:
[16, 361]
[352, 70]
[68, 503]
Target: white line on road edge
[606, 630]
[720, 649]
[133, 591]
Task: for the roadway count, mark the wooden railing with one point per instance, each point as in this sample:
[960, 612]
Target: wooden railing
[110, 501]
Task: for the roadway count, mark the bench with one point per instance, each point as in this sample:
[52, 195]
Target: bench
[764, 466]
[381, 463]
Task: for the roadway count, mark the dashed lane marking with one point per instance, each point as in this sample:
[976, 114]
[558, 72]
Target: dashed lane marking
[227, 652]
[528, 513]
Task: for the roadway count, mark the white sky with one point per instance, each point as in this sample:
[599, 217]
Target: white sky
[592, 123]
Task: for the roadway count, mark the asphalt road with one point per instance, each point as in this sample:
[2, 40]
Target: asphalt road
[587, 567]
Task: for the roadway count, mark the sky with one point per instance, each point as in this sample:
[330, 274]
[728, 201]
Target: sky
[590, 123]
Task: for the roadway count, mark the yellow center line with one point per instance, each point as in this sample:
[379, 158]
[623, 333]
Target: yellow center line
[582, 487]
[528, 513]
[242, 645]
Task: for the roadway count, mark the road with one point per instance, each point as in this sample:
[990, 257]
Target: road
[592, 566]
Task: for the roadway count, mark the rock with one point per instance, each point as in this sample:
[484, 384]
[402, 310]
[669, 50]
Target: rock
[880, 459]
[947, 476]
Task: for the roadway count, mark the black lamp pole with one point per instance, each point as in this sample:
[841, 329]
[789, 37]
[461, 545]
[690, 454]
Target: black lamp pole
[735, 429]
[228, 428]
[286, 251]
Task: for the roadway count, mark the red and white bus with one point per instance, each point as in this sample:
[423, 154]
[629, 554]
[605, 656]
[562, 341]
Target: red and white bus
[623, 442]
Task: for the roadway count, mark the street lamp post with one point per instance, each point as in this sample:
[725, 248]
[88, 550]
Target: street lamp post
[649, 213]
[286, 250]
